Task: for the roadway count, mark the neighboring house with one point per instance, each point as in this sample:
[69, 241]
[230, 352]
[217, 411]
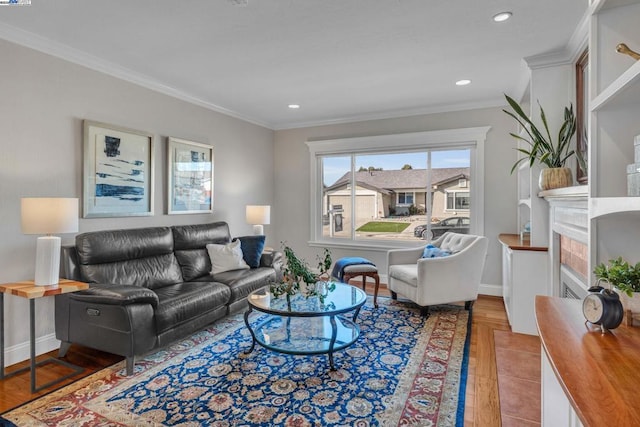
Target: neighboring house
[392, 193]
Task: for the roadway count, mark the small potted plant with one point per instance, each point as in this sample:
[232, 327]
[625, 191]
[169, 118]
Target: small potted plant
[298, 277]
[542, 148]
[625, 278]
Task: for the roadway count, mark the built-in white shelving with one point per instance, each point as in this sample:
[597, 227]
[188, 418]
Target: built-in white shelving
[614, 218]
[603, 206]
[623, 91]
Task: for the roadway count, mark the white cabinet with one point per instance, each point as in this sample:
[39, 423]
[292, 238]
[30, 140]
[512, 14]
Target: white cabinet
[556, 409]
[524, 272]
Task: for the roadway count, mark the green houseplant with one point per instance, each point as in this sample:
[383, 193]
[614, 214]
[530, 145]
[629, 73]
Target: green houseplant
[298, 277]
[619, 273]
[542, 148]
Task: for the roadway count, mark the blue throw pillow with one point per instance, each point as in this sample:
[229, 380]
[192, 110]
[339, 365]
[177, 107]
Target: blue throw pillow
[252, 247]
[431, 251]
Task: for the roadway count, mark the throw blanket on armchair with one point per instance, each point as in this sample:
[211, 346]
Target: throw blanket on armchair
[338, 268]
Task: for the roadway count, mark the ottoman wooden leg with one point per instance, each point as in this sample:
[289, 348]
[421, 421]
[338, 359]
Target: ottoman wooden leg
[376, 277]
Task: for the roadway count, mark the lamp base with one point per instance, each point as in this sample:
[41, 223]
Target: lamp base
[258, 229]
[47, 261]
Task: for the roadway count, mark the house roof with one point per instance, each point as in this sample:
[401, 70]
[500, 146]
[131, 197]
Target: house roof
[392, 180]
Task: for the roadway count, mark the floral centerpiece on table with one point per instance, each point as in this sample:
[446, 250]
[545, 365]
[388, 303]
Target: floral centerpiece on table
[298, 277]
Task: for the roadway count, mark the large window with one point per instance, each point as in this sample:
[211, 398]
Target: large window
[395, 189]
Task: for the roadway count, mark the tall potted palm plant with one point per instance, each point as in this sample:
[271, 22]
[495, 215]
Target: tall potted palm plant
[542, 148]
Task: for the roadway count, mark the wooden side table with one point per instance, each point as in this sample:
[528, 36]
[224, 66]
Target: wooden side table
[29, 290]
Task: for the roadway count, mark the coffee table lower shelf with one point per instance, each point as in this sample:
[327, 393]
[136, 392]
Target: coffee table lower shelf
[304, 335]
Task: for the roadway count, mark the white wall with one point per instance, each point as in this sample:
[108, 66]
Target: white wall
[292, 179]
[43, 101]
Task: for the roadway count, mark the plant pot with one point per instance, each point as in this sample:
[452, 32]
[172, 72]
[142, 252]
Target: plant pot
[630, 303]
[551, 178]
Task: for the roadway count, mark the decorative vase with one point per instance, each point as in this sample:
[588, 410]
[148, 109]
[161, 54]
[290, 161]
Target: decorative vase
[555, 178]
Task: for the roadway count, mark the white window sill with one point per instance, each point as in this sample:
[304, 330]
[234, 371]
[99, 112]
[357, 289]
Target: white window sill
[369, 245]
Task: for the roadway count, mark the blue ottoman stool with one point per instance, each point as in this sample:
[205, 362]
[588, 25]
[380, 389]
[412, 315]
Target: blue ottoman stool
[348, 268]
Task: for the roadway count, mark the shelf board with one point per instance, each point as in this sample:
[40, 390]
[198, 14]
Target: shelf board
[524, 202]
[625, 89]
[603, 206]
[574, 191]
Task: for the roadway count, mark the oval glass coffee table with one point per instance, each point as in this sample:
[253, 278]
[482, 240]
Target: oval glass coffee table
[307, 326]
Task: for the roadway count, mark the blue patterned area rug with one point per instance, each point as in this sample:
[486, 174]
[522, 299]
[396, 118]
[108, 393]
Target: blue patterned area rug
[403, 370]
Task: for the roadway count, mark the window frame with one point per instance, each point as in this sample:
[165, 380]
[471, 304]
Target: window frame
[455, 194]
[450, 139]
[413, 198]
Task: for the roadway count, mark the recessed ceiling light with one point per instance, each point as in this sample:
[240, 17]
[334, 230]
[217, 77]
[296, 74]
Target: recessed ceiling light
[294, 106]
[463, 82]
[502, 16]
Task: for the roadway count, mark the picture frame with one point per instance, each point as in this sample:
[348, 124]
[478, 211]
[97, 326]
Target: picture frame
[118, 171]
[582, 117]
[190, 177]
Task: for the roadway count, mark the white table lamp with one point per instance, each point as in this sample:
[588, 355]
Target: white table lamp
[257, 215]
[45, 215]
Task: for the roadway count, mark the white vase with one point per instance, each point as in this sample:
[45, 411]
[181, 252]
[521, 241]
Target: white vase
[631, 303]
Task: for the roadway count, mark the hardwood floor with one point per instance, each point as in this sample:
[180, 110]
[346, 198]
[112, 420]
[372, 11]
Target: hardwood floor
[482, 406]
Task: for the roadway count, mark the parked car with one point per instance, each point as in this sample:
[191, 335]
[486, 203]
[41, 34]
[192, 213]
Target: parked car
[457, 224]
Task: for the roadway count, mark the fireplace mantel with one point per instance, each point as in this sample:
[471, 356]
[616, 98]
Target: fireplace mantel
[568, 240]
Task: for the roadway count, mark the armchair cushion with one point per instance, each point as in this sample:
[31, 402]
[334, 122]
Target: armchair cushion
[405, 272]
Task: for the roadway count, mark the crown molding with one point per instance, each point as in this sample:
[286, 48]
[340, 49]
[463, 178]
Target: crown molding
[443, 108]
[567, 55]
[84, 59]
[78, 57]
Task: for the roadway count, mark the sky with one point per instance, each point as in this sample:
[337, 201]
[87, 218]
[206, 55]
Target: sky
[335, 167]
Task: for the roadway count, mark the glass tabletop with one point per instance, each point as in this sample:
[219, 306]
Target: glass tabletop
[342, 299]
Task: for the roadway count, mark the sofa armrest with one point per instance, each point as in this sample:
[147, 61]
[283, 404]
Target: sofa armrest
[275, 260]
[69, 263]
[117, 295]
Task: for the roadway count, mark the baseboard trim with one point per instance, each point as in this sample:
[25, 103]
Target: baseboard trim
[487, 289]
[19, 352]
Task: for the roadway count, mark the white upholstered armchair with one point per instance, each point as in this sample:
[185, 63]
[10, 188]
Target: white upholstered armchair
[430, 281]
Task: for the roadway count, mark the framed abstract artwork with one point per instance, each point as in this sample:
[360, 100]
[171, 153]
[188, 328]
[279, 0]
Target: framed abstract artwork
[190, 181]
[118, 171]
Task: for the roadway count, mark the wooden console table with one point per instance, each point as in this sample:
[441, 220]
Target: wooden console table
[594, 375]
[29, 290]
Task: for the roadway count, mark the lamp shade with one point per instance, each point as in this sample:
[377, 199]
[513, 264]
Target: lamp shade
[48, 215]
[258, 214]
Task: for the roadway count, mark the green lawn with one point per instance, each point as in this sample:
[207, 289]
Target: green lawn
[383, 227]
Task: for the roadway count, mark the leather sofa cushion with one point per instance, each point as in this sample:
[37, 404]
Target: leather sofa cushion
[153, 272]
[183, 302]
[117, 295]
[243, 282]
[99, 247]
[190, 243]
[142, 257]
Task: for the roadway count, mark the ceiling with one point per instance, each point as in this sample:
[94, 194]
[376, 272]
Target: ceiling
[341, 60]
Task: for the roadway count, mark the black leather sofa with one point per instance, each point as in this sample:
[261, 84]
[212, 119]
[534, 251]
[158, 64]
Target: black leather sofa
[150, 287]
